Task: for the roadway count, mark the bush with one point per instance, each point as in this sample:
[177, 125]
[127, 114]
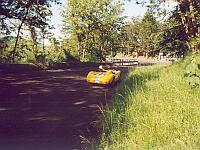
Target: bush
[193, 72]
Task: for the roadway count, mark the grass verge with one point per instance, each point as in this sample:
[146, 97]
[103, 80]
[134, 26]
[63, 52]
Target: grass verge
[154, 108]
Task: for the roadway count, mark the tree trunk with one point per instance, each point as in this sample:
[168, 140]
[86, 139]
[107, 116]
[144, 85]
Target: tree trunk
[189, 22]
[184, 19]
[78, 49]
[34, 38]
[16, 42]
[43, 46]
[194, 29]
[122, 48]
[17, 38]
[137, 53]
[84, 51]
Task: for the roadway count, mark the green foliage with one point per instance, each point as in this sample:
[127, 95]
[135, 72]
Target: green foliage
[193, 72]
[28, 11]
[31, 13]
[52, 57]
[154, 108]
[195, 42]
[5, 49]
[94, 55]
[23, 50]
[92, 25]
[173, 38]
[131, 34]
[70, 46]
[148, 28]
[26, 54]
[175, 33]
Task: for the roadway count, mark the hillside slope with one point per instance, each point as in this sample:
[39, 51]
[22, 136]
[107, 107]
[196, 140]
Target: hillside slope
[154, 108]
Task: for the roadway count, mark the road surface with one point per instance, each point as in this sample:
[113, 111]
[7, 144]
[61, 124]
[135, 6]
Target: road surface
[49, 110]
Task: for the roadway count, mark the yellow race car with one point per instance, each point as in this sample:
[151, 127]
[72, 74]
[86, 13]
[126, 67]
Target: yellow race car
[103, 76]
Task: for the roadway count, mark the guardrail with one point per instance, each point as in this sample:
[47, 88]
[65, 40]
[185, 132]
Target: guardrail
[123, 62]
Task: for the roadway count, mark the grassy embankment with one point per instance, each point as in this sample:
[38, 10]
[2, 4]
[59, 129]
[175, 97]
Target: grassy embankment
[154, 108]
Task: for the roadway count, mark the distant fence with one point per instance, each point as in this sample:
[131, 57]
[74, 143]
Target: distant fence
[123, 62]
[111, 62]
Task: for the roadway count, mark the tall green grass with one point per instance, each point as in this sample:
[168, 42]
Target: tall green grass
[154, 108]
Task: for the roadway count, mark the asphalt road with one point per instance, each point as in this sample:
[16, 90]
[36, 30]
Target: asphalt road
[50, 110]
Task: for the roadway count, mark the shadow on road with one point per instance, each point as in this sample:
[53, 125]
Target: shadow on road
[49, 110]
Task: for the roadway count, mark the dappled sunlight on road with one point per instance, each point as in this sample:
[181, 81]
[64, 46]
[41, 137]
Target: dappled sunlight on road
[80, 103]
[49, 109]
[26, 82]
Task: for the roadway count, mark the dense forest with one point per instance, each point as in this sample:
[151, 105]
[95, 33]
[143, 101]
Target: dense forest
[95, 30]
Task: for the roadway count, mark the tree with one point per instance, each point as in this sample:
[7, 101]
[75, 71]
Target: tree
[172, 39]
[148, 29]
[92, 24]
[23, 50]
[34, 35]
[28, 12]
[188, 11]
